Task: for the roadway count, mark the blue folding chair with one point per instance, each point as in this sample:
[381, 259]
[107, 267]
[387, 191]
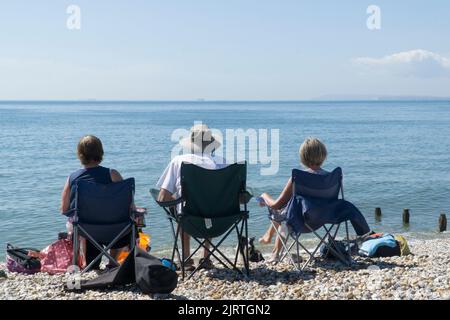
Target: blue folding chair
[315, 205]
[103, 215]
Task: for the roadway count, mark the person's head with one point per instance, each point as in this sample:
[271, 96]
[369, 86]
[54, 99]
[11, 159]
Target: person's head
[313, 153]
[90, 150]
[200, 140]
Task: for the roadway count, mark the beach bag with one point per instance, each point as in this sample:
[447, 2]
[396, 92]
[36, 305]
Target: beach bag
[150, 274]
[339, 246]
[57, 257]
[143, 242]
[22, 260]
[380, 245]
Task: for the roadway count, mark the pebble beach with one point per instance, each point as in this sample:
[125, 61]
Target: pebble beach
[423, 275]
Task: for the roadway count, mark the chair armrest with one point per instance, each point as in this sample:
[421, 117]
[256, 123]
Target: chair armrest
[139, 213]
[69, 213]
[246, 196]
[171, 203]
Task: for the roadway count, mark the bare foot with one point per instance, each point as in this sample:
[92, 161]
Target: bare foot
[265, 240]
[274, 258]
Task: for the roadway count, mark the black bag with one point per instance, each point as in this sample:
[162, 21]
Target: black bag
[146, 271]
[386, 251]
[151, 275]
[340, 247]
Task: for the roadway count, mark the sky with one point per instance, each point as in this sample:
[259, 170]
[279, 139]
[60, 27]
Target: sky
[223, 49]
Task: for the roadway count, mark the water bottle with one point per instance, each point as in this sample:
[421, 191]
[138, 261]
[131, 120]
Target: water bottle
[169, 264]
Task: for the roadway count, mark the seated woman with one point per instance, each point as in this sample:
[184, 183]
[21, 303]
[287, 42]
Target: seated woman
[312, 155]
[90, 154]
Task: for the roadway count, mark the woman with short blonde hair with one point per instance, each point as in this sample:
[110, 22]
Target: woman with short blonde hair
[312, 152]
[312, 155]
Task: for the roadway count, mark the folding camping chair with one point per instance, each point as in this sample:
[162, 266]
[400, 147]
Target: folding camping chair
[103, 215]
[314, 194]
[210, 207]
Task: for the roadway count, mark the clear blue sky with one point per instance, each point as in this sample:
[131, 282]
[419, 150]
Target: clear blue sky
[217, 49]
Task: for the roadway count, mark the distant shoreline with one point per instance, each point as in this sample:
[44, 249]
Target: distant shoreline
[205, 101]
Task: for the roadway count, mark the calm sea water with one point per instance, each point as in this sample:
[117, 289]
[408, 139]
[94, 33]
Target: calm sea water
[394, 155]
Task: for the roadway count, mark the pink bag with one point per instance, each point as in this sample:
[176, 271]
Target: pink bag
[57, 257]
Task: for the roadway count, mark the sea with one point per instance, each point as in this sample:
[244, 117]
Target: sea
[394, 154]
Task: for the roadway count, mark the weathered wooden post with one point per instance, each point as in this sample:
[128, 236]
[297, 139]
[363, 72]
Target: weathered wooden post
[405, 216]
[377, 213]
[442, 222]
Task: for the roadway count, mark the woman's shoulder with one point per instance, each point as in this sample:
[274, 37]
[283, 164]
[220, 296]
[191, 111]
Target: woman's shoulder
[115, 175]
[75, 174]
[318, 171]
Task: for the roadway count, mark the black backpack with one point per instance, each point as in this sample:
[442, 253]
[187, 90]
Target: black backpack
[339, 246]
[140, 268]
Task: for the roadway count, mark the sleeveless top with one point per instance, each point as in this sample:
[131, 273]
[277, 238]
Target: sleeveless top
[319, 171]
[98, 174]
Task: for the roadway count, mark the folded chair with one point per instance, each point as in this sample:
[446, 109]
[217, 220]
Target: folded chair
[317, 196]
[103, 215]
[210, 207]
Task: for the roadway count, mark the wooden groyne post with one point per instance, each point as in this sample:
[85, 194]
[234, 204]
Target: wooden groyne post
[442, 222]
[378, 213]
[405, 216]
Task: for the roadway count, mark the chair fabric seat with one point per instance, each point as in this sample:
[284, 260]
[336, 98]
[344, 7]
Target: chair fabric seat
[101, 214]
[103, 233]
[208, 228]
[315, 203]
[211, 210]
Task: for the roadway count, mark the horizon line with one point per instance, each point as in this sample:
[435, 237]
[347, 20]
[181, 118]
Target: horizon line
[381, 99]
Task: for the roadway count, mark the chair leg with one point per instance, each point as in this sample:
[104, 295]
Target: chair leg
[350, 261]
[133, 237]
[332, 239]
[322, 240]
[239, 249]
[213, 249]
[75, 246]
[247, 254]
[182, 256]
[298, 252]
[331, 243]
[284, 245]
[175, 244]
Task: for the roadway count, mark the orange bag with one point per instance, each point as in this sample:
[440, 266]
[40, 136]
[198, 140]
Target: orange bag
[143, 243]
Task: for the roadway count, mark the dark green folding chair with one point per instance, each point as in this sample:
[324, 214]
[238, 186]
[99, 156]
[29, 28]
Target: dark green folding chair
[213, 204]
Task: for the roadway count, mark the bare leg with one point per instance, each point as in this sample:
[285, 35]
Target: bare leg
[277, 247]
[186, 244]
[267, 237]
[275, 257]
[206, 250]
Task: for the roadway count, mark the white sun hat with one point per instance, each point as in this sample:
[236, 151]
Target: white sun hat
[200, 136]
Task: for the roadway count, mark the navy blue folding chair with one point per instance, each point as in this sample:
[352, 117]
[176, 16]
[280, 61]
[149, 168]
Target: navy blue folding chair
[315, 205]
[103, 215]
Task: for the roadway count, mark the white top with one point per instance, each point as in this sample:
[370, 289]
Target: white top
[170, 179]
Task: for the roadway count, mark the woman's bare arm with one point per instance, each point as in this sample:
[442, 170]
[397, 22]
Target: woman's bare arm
[65, 197]
[115, 176]
[282, 199]
[165, 195]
